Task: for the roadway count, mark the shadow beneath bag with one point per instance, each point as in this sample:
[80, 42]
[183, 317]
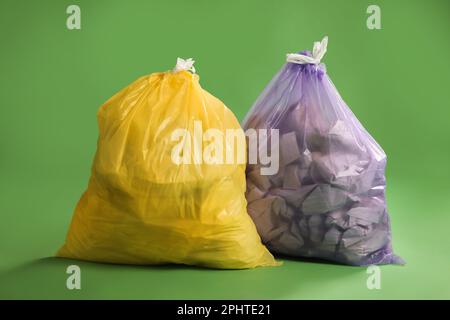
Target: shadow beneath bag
[296, 279]
[310, 260]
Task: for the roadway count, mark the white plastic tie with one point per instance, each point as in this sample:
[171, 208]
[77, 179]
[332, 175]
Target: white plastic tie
[182, 64]
[318, 52]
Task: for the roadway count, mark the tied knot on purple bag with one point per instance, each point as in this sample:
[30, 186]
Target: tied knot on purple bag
[310, 62]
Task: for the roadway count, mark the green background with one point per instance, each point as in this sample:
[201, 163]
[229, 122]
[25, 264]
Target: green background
[52, 81]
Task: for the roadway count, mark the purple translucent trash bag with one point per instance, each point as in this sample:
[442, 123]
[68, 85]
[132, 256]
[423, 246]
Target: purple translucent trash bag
[327, 199]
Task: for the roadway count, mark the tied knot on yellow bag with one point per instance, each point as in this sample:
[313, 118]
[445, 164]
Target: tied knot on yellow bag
[163, 188]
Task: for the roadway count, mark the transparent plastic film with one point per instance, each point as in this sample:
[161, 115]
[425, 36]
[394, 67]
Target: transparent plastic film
[327, 199]
[152, 197]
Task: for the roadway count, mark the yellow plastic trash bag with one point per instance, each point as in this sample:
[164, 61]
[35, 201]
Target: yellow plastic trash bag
[145, 204]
